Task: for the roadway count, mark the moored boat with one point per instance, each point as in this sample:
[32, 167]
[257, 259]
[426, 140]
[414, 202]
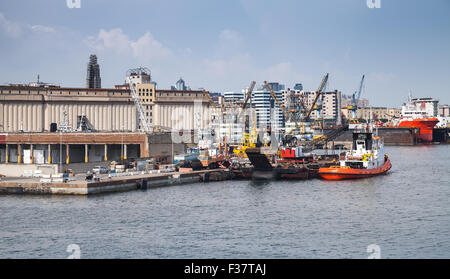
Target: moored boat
[366, 159]
[415, 115]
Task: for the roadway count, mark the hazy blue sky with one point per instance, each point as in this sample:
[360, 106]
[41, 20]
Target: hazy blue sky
[223, 45]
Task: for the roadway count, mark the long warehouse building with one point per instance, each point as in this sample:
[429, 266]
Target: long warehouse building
[25, 108]
[34, 108]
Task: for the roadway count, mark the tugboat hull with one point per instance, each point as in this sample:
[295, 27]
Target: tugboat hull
[338, 173]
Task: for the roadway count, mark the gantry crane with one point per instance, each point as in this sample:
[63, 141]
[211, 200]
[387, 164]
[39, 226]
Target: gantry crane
[353, 107]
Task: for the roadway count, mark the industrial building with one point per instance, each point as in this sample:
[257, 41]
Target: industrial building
[346, 100]
[43, 125]
[373, 113]
[25, 108]
[178, 109]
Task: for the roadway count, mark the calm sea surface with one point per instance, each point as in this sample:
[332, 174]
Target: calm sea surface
[406, 213]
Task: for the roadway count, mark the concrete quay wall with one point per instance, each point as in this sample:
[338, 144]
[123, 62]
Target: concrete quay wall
[116, 184]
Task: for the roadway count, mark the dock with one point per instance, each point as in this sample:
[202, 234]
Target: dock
[107, 184]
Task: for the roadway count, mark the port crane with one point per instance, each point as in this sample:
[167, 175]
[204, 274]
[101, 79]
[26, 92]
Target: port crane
[318, 93]
[304, 118]
[144, 125]
[137, 102]
[210, 100]
[248, 95]
[248, 139]
[353, 107]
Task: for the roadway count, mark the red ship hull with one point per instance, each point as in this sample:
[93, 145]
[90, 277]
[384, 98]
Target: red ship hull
[424, 124]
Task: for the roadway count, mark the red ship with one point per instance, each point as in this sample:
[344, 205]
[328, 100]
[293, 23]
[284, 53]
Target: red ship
[415, 115]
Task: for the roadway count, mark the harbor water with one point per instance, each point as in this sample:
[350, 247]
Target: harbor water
[405, 214]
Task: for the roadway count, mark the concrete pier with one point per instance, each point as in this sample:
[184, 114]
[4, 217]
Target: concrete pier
[106, 184]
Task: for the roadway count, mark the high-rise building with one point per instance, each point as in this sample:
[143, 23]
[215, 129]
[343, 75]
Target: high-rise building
[330, 102]
[268, 114]
[93, 79]
[181, 85]
[298, 86]
[231, 97]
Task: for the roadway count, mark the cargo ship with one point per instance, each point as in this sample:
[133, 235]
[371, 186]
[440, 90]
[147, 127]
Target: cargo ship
[366, 159]
[415, 116]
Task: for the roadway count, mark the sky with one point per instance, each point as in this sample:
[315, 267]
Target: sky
[402, 46]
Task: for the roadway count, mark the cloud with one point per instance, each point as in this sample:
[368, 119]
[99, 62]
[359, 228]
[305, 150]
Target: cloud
[280, 71]
[10, 28]
[114, 39]
[16, 30]
[229, 43]
[145, 47]
[42, 28]
[230, 38]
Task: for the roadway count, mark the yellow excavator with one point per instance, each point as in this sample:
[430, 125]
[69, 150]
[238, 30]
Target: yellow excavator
[249, 139]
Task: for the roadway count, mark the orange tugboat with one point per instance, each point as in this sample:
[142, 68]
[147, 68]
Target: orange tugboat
[366, 159]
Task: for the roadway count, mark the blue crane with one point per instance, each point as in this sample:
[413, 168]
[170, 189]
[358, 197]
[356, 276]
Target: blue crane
[355, 99]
